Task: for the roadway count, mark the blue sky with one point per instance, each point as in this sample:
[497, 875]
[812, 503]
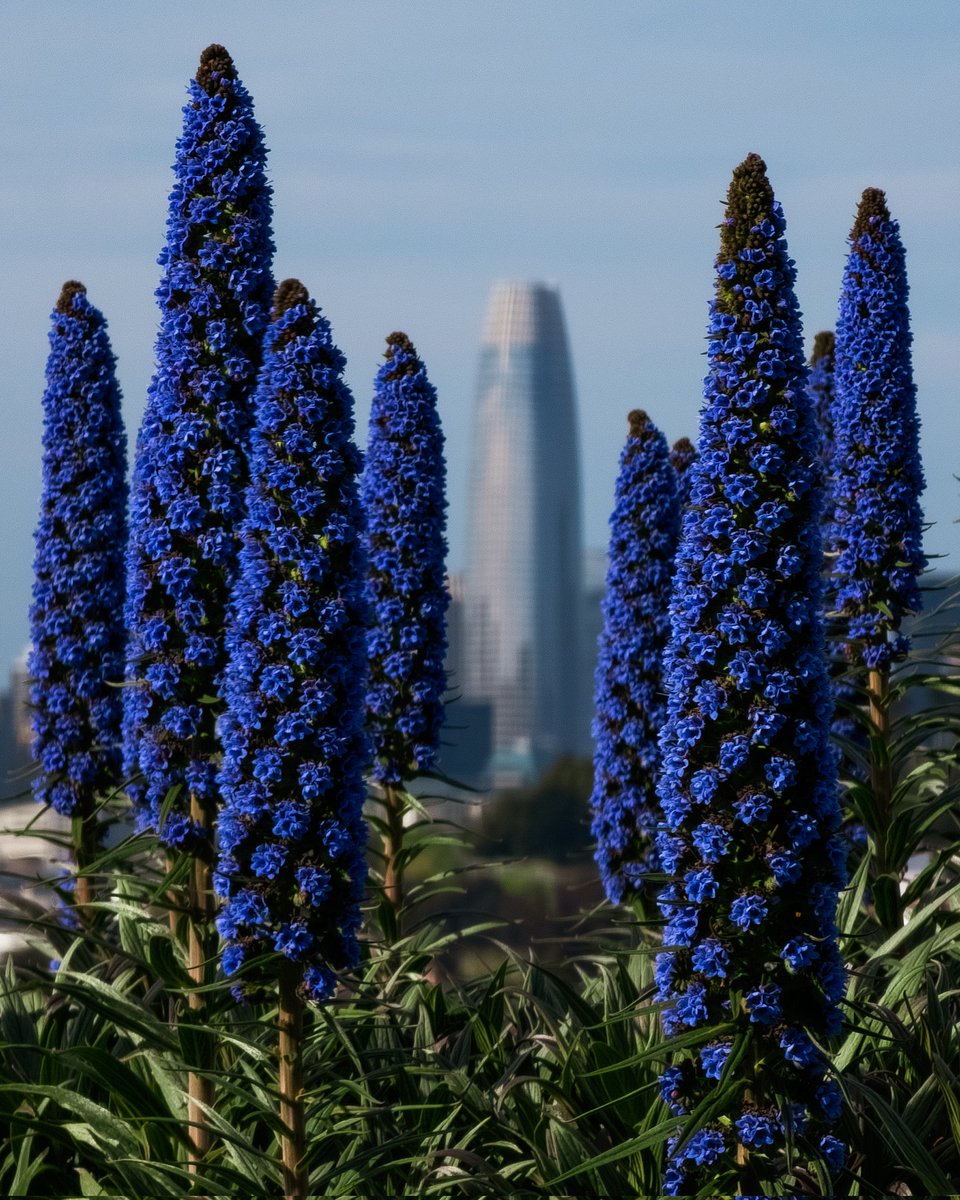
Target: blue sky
[421, 149]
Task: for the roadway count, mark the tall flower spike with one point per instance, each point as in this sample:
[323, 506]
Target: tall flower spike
[682, 457]
[629, 708]
[405, 505]
[748, 786]
[291, 831]
[821, 381]
[875, 529]
[190, 467]
[76, 619]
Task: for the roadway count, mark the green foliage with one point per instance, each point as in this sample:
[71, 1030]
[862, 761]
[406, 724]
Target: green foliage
[524, 1081]
[549, 819]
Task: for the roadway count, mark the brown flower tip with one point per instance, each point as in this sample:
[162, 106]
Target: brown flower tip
[752, 167]
[873, 203]
[683, 448]
[70, 289]
[398, 341]
[288, 293]
[749, 201]
[638, 422]
[397, 344]
[824, 346]
[215, 60]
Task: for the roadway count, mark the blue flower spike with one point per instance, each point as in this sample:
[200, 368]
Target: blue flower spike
[823, 359]
[682, 457]
[875, 527]
[291, 832]
[403, 492]
[748, 793]
[629, 703]
[191, 457]
[76, 618]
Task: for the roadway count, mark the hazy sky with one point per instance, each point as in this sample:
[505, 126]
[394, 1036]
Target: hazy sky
[421, 150]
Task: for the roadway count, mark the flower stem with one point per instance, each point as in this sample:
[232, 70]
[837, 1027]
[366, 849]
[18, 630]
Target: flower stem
[200, 1093]
[886, 885]
[293, 1139]
[393, 850]
[86, 842]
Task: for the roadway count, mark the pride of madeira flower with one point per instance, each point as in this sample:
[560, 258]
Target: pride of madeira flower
[875, 528]
[405, 506]
[291, 831]
[629, 708]
[682, 457]
[190, 467]
[823, 360]
[76, 619]
[748, 784]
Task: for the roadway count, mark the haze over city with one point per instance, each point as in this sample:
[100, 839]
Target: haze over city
[417, 157]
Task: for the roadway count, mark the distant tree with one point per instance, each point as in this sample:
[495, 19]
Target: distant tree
[545, 820]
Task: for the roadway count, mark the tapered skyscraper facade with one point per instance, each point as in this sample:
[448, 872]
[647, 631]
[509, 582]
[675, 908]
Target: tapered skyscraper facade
[523, 578]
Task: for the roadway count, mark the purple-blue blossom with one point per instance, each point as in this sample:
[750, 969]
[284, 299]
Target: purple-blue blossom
[629, 707]
[874, 531]
[190, 467]
[748, 779]
[76, 618]
[403, 493]
[292, 835]
[683, 454]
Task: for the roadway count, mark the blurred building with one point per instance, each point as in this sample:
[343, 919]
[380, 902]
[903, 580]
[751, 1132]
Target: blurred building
[591, 626]
[16, 732]
[522, 610]
[465, 743]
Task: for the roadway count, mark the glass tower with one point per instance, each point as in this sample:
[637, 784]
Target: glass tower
[524, 552]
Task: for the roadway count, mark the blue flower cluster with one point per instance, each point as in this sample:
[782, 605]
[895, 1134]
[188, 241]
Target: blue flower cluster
[76, 618]
[405, 505]
[629, 705]
[291, 831]
[820, 384]
[748, 783]
[682, 457]
[190, 467]
[876, 522]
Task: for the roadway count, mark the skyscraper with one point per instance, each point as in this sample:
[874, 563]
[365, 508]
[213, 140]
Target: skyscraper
[523, 577]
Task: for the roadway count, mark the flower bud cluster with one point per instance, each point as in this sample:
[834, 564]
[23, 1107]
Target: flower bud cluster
[748, 784]
[875, 530]
[291, 831]
[405, 505]
[76, 624]
[629, 703]
[682, 457]
[820, 384]
[190, 468]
